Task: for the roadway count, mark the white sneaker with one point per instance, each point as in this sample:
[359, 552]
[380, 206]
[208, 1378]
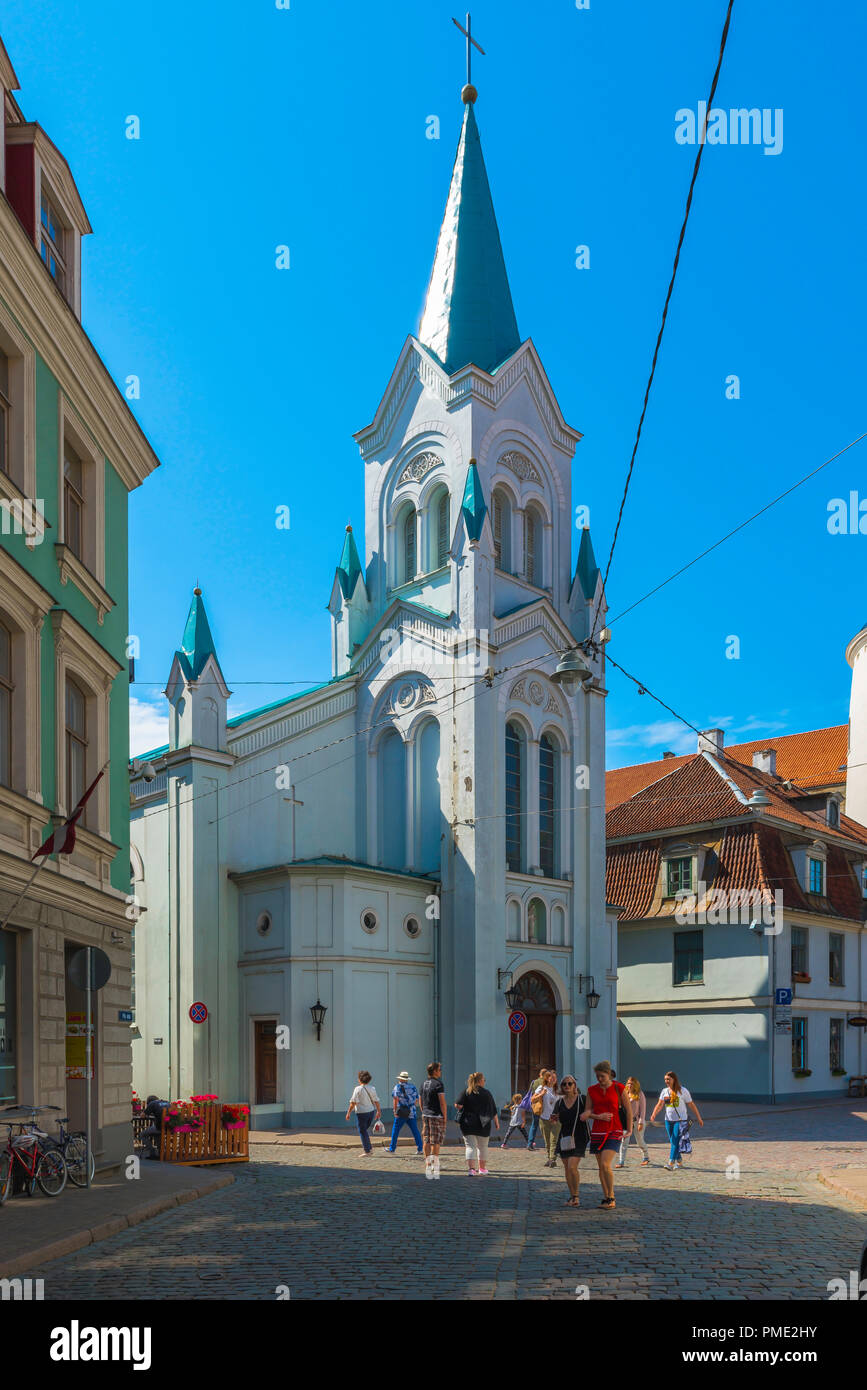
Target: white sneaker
[436, 1171]
[429, 1168]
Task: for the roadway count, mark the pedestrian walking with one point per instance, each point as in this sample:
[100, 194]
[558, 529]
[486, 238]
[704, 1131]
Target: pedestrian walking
[676, 1099]
[573, 1136]
[637, 1102]
[433, 1118]
[534, 1114]
[611, 1119]
[478, 1111]
[365, 1102]
[404, 1099]
[517, 1119]
[549, 1126]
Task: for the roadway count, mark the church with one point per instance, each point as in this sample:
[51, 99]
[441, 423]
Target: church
[376, 872]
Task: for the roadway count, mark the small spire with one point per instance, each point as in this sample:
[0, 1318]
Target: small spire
[197, 644]
[587, 569]
[473, 504]
[350, 565]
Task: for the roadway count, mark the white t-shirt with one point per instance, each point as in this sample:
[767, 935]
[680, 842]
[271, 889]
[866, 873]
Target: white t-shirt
[365, 1097]
[549, 1100]
[675, 1112]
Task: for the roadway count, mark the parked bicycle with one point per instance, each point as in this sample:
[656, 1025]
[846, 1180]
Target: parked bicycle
[25, 1158]
[71, 1143]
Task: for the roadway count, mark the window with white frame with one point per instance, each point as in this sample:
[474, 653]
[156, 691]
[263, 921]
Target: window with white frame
[73, 500]
[53, 239]
[533, 566]
[408, 537]
[443, 511]
[76, 743]
[5, 416]
[548, 770]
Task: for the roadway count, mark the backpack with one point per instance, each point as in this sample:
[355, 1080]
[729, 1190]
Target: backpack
[405, 1110]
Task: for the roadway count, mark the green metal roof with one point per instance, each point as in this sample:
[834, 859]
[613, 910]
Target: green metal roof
[587, 568]
[197, 643]
[286, 700]
[473, 504]
[350, 566]
[468, 314]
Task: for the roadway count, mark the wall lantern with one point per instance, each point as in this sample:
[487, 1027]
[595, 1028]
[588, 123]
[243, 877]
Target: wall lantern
[317, 1013]
[592, 997]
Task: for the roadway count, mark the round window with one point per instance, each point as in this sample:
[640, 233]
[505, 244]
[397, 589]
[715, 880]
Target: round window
[369, 920]
[412, 927]
[264, 923]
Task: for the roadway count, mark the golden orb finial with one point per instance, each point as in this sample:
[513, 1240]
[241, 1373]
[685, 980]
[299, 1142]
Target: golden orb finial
[469, 94]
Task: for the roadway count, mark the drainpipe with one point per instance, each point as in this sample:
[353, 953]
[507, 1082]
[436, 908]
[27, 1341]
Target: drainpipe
[436, 966]
[771, 1013]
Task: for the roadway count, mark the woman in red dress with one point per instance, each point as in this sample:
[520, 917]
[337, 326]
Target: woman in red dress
[607, 1131]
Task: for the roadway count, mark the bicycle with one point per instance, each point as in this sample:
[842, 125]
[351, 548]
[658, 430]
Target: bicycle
[73, 1145]
[24, 1154]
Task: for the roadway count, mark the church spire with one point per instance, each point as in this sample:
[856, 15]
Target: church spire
[197, 644]
[468, 314]
[350, 566]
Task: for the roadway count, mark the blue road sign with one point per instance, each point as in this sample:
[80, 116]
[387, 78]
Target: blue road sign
[782, 996]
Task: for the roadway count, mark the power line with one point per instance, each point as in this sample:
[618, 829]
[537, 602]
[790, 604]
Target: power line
[806, 478]
[692, 183]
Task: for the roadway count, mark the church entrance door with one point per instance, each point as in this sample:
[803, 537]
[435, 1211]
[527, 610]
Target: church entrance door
[536, 1047]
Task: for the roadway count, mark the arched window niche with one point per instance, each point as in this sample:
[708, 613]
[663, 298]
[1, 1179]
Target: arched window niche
[537, 922]
[516, 763]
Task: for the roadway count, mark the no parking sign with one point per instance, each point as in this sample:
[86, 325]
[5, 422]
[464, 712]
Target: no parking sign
[198, 1013]
[517, 1021]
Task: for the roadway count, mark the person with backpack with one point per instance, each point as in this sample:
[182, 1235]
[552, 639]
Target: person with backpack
[527, 1104]
[404, 1100]
[433, 1118]
[573, 1138]
[478, 1111]
[611, 1119]
[365, 1102]
[676, 1098]
[544, 1100]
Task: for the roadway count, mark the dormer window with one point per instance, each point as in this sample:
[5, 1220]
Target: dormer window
[833, 812]
[678, 873]
[816, 875]
[52, 241]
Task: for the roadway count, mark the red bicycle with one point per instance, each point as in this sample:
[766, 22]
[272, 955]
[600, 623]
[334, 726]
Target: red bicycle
[24, 1156]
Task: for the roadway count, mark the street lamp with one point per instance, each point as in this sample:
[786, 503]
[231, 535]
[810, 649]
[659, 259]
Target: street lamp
[571, 671]
[512, 995]
[317, 1013]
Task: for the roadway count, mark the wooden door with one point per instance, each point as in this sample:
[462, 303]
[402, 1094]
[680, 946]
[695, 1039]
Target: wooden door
[266, 1061]
[536, 1047]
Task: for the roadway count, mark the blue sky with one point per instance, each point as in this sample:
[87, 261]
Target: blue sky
[307, 127]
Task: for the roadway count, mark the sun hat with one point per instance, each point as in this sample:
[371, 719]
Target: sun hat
[403, 1076]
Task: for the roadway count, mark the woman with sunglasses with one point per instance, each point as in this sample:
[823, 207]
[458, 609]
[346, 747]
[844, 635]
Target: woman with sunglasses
[572, 1141]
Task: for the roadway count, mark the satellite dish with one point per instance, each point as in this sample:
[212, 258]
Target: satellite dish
[100, 968]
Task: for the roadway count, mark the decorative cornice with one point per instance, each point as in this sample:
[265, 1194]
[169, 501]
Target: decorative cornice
[70, 567]
[520, 465]
[420, 467]
[280, 730]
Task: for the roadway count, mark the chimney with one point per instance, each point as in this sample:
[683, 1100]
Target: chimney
[711, 741]
[668, 753]
[766, 760]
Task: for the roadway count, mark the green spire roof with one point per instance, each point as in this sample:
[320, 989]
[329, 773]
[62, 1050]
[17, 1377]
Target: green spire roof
[197, 643]
[350, 566]
[473, 504]
[468, 314]
[587, 568]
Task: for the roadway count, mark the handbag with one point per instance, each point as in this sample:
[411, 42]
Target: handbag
[537, 1104]
[567, 1142]
[684, 1143]
[621, 1106]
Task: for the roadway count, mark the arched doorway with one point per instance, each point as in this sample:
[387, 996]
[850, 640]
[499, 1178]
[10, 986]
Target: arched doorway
[536, 1047]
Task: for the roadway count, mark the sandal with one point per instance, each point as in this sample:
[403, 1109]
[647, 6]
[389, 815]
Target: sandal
[572, 1202]
[608, 1202]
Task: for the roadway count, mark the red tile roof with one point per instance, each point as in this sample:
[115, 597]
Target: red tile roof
[813, 759]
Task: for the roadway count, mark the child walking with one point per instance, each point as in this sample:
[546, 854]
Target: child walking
[517, 1120]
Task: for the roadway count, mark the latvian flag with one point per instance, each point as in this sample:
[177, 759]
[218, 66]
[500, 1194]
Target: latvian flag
[62, 839]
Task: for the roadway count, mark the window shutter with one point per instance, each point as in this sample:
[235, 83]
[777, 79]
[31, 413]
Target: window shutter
[443, 530]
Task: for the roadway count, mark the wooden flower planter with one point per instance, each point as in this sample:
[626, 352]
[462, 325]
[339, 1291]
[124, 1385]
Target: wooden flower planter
[210, 1144]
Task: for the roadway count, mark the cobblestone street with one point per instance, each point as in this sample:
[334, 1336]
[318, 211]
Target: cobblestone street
[330, 1224]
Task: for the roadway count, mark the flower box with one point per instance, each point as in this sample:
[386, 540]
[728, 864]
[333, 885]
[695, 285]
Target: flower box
[802, 1071]
[801, 977]
[193, 1132]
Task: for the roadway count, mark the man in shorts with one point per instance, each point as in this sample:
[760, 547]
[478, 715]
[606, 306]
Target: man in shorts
[433, 1118]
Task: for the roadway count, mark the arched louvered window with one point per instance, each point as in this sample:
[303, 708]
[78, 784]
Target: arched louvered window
[547, 805]
[535, 995]
[442, 519]
[502, 531]
[409, 550]
[514, 798]
[533, 547]
[6, 690]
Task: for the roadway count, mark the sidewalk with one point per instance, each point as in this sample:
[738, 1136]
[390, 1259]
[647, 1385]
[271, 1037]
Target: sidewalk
[35, 1229]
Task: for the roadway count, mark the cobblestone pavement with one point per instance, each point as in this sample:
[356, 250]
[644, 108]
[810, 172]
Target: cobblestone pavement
[331, 1224]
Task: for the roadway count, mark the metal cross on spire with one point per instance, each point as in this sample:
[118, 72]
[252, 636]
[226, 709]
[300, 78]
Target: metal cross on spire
[471, 44]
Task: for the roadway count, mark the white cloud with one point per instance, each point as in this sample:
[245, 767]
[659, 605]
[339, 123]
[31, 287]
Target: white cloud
[148, 724]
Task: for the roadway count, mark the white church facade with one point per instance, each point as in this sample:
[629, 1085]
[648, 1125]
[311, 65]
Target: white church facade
[405, 842]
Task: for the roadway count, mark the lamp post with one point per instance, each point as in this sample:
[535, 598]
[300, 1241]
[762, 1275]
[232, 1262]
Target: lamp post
[317, 1013]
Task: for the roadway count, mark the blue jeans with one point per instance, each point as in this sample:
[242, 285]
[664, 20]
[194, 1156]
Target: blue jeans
[413, 1129]
[672, 1129]
[534, 1130]
[364, 1119]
